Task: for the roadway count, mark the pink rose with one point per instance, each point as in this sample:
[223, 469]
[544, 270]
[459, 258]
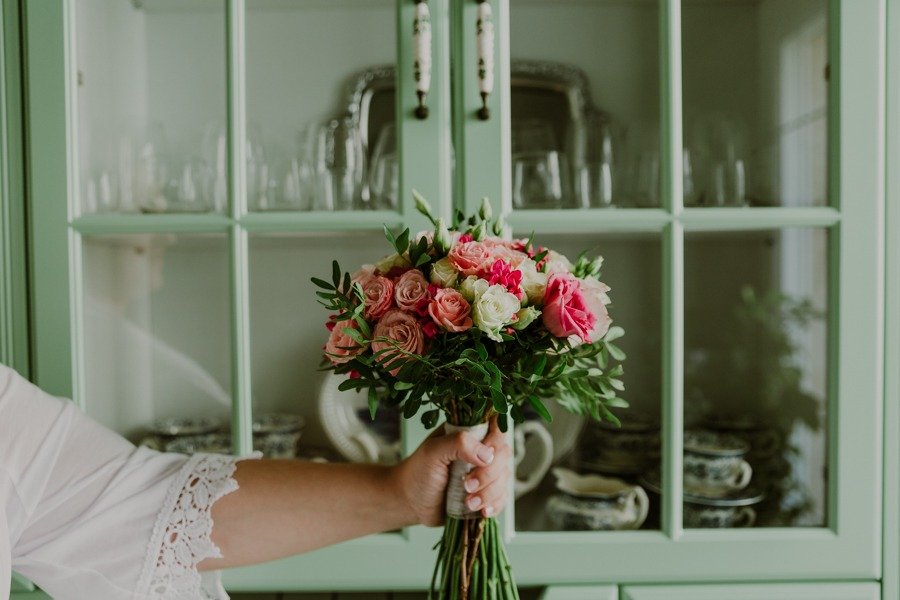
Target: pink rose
[379, 292]
[511, 279]
[404, 332]
[595, 298]
[512, 257]
[471, 258]
[565, 311]
[363, 276]
[340, 347]
[411, 292]
[450, 310]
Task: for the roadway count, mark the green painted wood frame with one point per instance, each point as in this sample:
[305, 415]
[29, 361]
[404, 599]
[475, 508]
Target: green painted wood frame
[14, 348]
[891, 528]
[850, 548]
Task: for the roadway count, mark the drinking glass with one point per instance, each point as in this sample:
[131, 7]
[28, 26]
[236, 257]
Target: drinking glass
[594, 166]
[340, 171]
[537, 182]
[100, 192]
[215, 154]
[143, 165]
[384, 174]
[188, 191]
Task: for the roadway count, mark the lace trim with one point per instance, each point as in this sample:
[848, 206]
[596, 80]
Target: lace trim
[182, 534]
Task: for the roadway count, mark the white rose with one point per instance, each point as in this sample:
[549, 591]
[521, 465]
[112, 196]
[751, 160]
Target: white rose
[534, 283]
[444, 274]
[390, 261]
[473, 287]
[591, 286]
[495, 308]
[557, 263]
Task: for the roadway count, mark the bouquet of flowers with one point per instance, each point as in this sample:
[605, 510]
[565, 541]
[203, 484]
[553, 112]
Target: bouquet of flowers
[459, 321]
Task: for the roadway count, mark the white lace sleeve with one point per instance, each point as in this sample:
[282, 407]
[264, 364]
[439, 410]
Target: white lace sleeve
[182, 534]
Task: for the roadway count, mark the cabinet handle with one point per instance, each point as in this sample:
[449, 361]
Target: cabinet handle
[484, 29]
[422, 61]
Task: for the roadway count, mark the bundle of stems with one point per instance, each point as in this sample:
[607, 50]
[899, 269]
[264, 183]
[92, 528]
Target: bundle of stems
[472, 562]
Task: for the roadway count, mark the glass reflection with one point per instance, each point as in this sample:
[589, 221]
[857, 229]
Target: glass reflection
[584, 80]
[156, 340]
[755, 379]
[755, 91]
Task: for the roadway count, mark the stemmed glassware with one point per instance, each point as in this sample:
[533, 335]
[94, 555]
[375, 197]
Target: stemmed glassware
[539, 168]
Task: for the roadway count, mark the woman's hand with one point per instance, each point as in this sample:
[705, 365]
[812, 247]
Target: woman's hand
[422, 477]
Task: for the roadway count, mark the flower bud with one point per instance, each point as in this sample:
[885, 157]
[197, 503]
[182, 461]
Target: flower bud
[442, 240]
[479, 232]
[422, 205]
[485, 212]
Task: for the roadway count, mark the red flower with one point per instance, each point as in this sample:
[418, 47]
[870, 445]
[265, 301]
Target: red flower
[503, 274]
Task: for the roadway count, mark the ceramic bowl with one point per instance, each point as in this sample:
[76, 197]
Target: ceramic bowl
[213, 443]
[177, 426]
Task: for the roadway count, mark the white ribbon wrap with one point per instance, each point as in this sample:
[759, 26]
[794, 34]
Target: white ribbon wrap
[456, 491]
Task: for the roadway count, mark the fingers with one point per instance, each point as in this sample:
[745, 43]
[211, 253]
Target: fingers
[488, 487]
[463, 446]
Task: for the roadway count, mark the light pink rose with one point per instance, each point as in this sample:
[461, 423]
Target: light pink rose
[340, 347]
[411, 292]
[565, 311]
[363, 276]
[471, 258]
[404, 331]
[596, 299]
[513, 258]
[450, 310]
[379, 293]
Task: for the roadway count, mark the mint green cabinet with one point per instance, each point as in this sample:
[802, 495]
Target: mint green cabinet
[786, 591]
[171, 249]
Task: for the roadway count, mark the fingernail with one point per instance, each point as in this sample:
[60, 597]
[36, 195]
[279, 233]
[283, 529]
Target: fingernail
[471, 485]
[488, 511]
[486, 453]
[474, 502]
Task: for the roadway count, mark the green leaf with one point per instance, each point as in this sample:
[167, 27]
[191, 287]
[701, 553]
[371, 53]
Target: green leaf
[403, 385]
[502, 423]
[537, 405]
[617, 384]
[346, 286]
[390, 236]
[516, 413]
[614, 333]
[335, 273]
[321, 283]
[423, 259]
[411, 407]
[352, 384]
[481, 350]
[541, 365]
[403, 241]
[373, 402]
[615, 352]
[430, 418]
[499, 401]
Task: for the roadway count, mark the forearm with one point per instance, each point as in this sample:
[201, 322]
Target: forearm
[289, 507]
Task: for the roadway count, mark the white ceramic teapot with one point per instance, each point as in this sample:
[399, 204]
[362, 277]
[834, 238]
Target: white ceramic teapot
[596, 502]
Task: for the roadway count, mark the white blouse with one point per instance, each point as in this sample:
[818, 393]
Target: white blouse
[86, 514]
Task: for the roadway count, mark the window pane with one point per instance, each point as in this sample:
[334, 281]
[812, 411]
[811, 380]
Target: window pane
[755, 102]
[287, 338]
[320, 105]
[620, 455]
[585, 103]
[756, 378]
[151, 83]
[157, 339]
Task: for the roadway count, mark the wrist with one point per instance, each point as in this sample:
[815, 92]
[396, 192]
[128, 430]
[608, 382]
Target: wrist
[400, 496]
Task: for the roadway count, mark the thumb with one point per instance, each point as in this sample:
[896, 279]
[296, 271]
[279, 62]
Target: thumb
[461, 446]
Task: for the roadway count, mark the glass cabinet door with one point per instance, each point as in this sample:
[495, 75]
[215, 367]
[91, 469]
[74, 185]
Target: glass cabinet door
[210, 147]
[702, 148]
